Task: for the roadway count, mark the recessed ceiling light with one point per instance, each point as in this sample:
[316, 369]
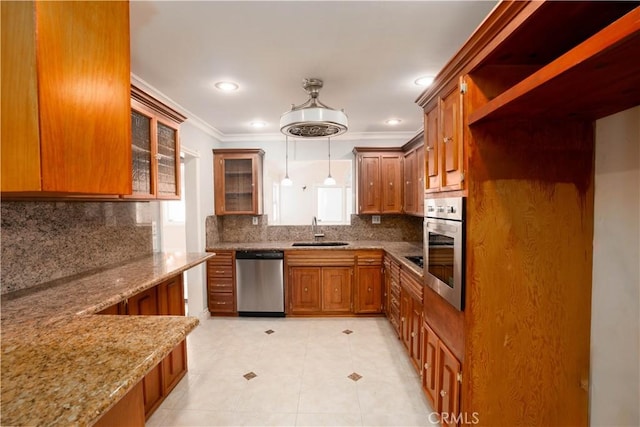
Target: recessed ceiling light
[424, 81]
[227, 86]
[393, 122]
[258, 124]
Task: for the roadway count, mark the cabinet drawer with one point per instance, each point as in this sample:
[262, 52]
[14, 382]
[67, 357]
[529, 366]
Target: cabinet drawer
[221, 301]
[221, 258]
[214, 271]
[220, 284]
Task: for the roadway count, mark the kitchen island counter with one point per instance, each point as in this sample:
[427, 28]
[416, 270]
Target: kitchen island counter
[63, 365]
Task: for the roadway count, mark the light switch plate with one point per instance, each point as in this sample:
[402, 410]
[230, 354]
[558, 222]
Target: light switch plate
[375, 219]
[254, 220]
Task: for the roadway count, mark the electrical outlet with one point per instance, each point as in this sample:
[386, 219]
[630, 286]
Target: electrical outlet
[254, 220]
[375, 219]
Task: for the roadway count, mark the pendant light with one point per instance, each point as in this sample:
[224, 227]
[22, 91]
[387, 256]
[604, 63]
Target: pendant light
[329, 179]
[286, 182]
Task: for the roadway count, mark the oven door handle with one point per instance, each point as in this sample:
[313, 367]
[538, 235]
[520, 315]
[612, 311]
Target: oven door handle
[441, 228]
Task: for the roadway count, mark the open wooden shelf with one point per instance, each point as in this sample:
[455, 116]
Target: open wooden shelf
[598, 77]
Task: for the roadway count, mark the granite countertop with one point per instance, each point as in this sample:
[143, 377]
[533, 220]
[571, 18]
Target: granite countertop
[62, 365]
[398, 250]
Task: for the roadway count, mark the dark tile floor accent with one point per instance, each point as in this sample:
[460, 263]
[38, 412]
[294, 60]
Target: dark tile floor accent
[269, 332]
[347, 331]
[250, 375]
[355, 376]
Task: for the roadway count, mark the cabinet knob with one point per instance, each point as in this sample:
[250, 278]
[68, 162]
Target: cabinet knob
[429, 148]
[391, 184]
[407, 182]
[447, 139]
[443, 393]
[371, 184]
[219, 271]
[402, 319]
[427, 366]
[413, 334]
[336, 289]
[158, 156]
[369, 289]
[305, 289]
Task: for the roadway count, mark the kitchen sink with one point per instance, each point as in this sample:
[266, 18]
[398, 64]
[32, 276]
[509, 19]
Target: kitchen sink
[320, 244]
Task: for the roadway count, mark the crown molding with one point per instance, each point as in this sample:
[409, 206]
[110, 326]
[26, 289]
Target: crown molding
[393, 137]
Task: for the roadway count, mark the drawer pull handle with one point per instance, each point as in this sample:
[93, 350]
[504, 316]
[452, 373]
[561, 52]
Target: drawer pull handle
[219, 303]
[220, 285]
[219, 271]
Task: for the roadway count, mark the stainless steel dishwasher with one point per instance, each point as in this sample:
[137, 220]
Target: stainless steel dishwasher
[260, 283]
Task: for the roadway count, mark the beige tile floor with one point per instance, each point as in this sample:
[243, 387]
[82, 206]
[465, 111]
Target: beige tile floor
[302, 375]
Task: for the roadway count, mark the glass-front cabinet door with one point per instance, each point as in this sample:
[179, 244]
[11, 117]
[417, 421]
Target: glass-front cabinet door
[141, 153]
[238, 181]
[155, 148]
[168, 158]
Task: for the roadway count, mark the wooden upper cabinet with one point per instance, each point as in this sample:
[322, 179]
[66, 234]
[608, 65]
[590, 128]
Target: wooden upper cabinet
[155, 146]
[452, 145]
[414, 176]
[369, 183]
[238, 181]
[431, 147]
[410, 181]
[380, 184]
[444, 145]
[65, 98]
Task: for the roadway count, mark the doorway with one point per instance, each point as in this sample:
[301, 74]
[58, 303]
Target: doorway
[181, 230]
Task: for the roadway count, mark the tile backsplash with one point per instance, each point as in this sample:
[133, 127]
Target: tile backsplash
[239, 228]
[44, 241]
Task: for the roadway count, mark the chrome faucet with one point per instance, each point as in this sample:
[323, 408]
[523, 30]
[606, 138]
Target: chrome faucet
[314, 226]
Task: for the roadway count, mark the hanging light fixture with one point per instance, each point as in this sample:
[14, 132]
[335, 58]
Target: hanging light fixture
[313, 119]
[286, 181]
[329, 180]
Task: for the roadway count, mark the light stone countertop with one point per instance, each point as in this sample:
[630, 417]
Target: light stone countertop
[398, 250]
[62, 365]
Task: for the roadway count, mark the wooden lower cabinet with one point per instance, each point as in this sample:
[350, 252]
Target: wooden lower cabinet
[152, 389]
[221, 284]
[305, 289]
[166, 298]
[441, 377]
[128, 411]
[319, 282]
[336, 289]
[392, 287]
[320, 290]
[369, 282]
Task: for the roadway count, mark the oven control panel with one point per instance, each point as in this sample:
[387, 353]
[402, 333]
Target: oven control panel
[445, 208]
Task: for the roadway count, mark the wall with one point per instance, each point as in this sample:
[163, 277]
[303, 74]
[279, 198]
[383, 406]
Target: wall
[615, 318]
[198, 195]
[44, 241]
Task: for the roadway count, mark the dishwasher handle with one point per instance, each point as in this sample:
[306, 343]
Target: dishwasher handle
[265, 254]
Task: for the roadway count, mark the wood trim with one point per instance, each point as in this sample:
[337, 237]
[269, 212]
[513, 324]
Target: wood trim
[557, 82]
[156, 106]
[414, 142]
[241, 152]
[381, 150]
[502, 16]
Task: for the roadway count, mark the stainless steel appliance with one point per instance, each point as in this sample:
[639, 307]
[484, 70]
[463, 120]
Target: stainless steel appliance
[260, 283]
[444, 243]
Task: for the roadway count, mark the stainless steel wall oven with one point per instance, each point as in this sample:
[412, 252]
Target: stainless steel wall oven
[444, 248]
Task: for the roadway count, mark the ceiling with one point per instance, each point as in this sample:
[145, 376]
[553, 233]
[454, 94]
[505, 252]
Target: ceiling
[369, 53]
